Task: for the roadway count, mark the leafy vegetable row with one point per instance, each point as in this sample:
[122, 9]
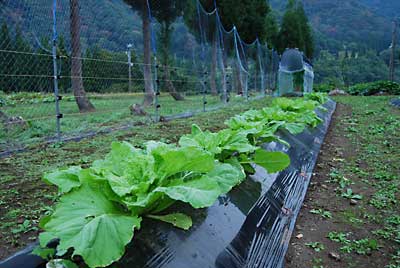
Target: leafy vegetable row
[101, 206]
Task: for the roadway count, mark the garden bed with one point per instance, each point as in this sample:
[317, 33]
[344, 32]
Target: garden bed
[250, 226]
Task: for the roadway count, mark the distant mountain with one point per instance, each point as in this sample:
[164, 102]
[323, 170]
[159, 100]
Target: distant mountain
[108, 24]
[389, 8]
[357, 25]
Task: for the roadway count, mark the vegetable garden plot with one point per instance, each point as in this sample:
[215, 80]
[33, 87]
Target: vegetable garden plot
[250, 227]
[246, 227]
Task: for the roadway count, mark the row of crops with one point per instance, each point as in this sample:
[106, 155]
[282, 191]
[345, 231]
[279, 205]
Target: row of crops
[100, 207]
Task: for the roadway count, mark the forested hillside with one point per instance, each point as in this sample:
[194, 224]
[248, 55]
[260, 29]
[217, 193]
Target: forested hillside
[352, 38]
[383, 7]
[108, 24]
[356, 32]
[355, 24]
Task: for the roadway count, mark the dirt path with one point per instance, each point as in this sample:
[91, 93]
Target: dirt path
[337, 228]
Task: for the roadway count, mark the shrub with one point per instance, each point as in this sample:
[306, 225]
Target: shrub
[368, 89]
[325, 88]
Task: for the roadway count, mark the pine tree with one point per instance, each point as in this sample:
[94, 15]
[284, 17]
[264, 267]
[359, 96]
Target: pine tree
[249, 17]
[252, 20]
[306, 29]
[272, 30]
[6, 58]
[22, 64]
[166, 14]
[209, 32]
[295, 30]
[42, 65]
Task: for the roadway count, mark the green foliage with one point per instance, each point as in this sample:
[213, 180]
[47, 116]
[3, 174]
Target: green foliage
[365, 89]
[272, 30]
[44, 253]
[65, 180]
[288, 114]
[348, 68]
[176, 219]
[351, 25]
[102, 205]
[362, 246]
[338, 237]
[21, 64]
[249, 17]
[368, 89]
[28, 98]
[271, 161]
[324, 88]
[349, 194]
[319, 97]
[24, 227]
[295, 30]
[317, 246]
[323, 213]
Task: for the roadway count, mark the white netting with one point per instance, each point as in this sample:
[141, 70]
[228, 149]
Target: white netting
[170, 57]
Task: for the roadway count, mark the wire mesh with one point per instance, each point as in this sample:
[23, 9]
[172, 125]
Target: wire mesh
[94, 65]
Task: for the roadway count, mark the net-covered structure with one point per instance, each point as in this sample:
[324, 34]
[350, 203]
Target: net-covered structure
[296, 73]
[69, 67]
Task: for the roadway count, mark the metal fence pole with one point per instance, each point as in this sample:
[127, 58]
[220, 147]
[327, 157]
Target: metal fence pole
[204, 90]
[57, 97]
[129, 53]
[156, 91]
[246, 87]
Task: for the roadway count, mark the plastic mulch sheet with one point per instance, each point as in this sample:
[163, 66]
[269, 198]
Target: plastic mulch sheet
[396, 102]
[249, 227]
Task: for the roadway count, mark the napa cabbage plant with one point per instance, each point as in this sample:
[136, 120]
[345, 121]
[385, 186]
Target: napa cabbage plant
[100, 207]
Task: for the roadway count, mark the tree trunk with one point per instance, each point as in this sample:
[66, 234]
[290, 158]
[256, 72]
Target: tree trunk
[148, 85]
[81, 99]
[165, 39]
[170, 87]
[213, 71]
[238, 80]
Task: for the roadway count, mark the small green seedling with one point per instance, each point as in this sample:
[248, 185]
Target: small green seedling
[317, 246]
[323, 213]
[350, 195]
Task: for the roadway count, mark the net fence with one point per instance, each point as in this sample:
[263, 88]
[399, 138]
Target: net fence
[72, 68]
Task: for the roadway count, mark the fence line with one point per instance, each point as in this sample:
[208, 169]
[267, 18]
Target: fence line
[202, 67]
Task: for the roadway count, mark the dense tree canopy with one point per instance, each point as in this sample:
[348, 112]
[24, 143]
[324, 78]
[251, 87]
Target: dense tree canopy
[295, 31]
[249, 17]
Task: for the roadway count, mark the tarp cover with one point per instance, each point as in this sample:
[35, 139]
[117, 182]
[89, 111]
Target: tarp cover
[396, 102]
[249, 227]
[291, 61]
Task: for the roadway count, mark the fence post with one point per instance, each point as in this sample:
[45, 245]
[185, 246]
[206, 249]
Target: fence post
[246, 87]
[129, 53]
[57, 97]
[156, 91]
[204, 90]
